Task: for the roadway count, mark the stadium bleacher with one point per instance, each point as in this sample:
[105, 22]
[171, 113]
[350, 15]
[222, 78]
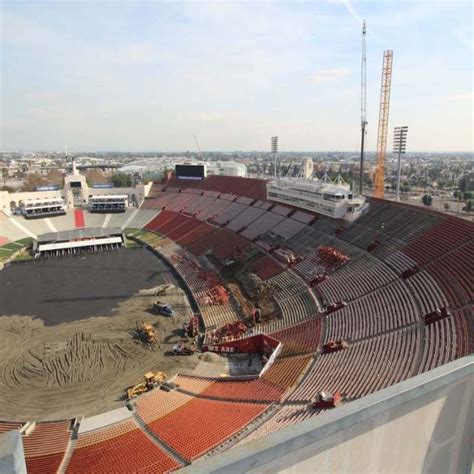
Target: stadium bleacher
[121, 447]
[382, 322]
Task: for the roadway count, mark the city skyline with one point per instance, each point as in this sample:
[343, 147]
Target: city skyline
[147, 76]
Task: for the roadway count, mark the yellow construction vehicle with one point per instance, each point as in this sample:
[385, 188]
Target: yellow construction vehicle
[146, 332]
[151, 381]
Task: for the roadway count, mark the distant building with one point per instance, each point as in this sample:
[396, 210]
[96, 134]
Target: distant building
[308, 169]
[160, 165]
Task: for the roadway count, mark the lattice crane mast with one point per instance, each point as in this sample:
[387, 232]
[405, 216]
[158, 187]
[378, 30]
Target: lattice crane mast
[383, 123]
[363, 106]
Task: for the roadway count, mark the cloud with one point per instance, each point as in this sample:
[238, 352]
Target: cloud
[133, 53]
[464, 39]
[330, 75]
[468, 96]
[208, 116]
[350, 8]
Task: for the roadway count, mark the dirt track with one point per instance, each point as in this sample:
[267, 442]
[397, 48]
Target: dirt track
[82, 367]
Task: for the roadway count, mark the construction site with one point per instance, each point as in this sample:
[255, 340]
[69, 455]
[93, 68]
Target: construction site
[55, 365]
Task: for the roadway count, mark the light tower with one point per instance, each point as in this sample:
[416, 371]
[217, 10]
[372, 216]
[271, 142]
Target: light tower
[383, 123]
[363, 107]
[275, 151]
[399, 147]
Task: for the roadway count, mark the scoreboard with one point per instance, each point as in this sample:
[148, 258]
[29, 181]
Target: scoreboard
[195, 172]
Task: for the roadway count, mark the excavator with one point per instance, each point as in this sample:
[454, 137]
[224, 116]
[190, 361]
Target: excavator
[151, 381]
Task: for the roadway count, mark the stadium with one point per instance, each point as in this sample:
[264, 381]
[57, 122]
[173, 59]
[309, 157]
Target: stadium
[318, 343]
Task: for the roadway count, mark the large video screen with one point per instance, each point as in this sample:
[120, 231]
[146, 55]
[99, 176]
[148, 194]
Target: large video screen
[190, 171]
[76, 184]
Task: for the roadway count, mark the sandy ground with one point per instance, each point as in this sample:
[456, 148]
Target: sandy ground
[82, 367]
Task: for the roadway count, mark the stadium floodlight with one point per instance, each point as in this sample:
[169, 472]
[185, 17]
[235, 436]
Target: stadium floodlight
[399, 147]
[275, 151]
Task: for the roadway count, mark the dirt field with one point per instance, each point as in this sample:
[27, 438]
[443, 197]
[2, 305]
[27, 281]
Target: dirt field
[82, 367]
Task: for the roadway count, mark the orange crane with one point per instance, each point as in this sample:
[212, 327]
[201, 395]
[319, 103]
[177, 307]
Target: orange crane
[383, 123]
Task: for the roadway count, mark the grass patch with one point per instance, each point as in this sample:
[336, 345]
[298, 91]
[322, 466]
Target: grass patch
[12, 246]
[132, 244]
[131, 230]
[25, 242]
[5, 253]
[23, 256]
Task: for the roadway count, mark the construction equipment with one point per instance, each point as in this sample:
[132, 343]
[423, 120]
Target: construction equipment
[324, 400]
[363, 107]
[317, 279]
[437, 315]
[191, 328]
[384, 108]
[182, 349]
[230, 331]
[151, 381]
[146, 332]
[373, 245]
[410, 272]
[286, 256]
[332, 257]
[163, 308]
[334, 346]
[332, 307]
[216, 295]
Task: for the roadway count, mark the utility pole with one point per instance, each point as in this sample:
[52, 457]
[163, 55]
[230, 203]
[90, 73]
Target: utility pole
[363, 107]
[399, 147]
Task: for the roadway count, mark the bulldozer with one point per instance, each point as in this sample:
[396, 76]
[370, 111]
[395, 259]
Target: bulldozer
[146, 332]
[151, 381]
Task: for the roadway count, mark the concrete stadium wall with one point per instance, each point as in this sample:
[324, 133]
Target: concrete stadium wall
[140, 192]
[424, 424]
[6, 198]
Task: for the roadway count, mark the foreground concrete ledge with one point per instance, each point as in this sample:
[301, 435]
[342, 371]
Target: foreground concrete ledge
[283, 450]
[104, 419]
[12, 459]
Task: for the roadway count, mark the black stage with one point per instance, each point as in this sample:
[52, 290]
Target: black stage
[60, 290]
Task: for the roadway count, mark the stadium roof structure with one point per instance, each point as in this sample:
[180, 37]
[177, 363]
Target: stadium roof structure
[89, 233]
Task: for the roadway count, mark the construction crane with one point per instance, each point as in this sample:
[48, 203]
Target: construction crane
[197, 146]
[383, 123]
[363, 107]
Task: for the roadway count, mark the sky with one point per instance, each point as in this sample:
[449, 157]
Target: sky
[147, 76]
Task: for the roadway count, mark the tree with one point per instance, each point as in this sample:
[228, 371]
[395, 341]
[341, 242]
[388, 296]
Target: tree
[446, 206]
[427, 199]
[405, 187]
[466, 183]
[55, 178]
[8, 189]
[469, 205]
[32, 181]
[96, 176]
[121, 180]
